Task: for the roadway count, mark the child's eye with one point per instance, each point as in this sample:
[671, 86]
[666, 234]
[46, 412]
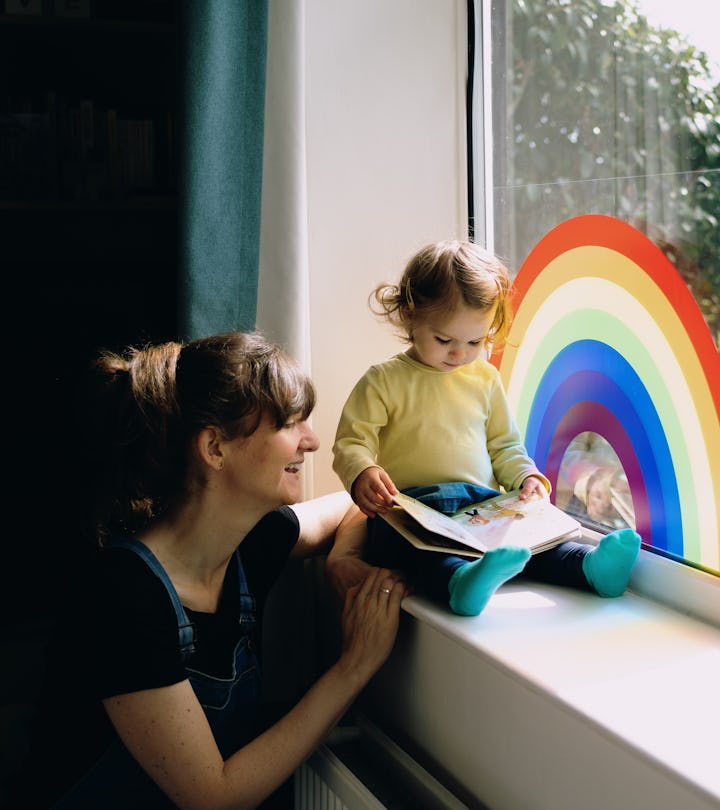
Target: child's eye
[442, 341]
[474, 342]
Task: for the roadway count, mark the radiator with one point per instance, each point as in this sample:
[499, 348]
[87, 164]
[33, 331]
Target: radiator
[325, 783]
[360, 768]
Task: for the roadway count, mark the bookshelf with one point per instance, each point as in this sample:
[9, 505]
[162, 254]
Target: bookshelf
[88, 225]
[87, 114]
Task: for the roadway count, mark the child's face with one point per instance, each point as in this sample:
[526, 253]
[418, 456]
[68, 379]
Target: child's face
[447, 342]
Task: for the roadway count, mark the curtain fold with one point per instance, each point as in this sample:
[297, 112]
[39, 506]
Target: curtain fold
[283, 289]
[290, 642]
[223, 49]
[283, 308]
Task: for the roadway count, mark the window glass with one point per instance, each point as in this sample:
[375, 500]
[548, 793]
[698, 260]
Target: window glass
[610, 109]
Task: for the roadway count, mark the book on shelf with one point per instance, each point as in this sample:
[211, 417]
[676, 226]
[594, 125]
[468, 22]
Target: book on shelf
[504, 520]
[34, 7]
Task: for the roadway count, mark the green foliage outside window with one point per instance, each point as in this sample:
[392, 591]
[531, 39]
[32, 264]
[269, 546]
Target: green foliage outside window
[597, 111]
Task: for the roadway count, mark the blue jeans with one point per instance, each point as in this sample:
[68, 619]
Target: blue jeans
[431, 571]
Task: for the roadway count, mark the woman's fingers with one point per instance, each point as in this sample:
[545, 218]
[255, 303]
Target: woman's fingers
[372, 608]
[379, 583]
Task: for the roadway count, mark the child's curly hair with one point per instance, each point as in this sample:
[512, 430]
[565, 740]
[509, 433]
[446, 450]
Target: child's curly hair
[439, 278]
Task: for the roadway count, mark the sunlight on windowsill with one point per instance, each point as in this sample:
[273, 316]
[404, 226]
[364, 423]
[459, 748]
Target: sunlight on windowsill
[521, 600]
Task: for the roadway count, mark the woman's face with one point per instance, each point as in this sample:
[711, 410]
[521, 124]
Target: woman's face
[265, 466]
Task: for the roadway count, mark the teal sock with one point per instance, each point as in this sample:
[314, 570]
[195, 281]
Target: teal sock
[472, 585]
[607, 568]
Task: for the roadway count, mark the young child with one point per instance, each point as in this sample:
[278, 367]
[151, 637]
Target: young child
[434, 422]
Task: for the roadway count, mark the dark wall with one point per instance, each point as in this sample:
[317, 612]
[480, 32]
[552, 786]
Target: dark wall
[88, 240]
[88, 252]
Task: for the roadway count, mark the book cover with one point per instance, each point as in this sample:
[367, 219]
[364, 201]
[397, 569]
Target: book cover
[505, 520]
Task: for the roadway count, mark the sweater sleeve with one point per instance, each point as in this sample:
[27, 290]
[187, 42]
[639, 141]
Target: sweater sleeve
[510, 460]
[358, 433]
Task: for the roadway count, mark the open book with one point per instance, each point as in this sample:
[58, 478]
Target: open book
[505, 520]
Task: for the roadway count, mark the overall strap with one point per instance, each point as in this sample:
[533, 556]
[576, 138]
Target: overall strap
[247, 601]
[186, 630]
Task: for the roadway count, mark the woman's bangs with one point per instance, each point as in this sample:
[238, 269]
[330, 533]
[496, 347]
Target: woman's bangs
[291, 392]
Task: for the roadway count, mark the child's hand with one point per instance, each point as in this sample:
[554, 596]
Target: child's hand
[532, 487]
[373, 491]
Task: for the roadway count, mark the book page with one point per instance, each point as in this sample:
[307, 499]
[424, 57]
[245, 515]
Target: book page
[510, 521]
[437, 522]
[505, 520]
[426, 540]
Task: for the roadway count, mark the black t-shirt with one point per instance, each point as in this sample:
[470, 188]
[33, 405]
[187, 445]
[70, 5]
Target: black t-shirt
[118, 633]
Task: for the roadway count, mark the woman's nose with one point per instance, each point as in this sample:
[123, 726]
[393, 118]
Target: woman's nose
[309, 442]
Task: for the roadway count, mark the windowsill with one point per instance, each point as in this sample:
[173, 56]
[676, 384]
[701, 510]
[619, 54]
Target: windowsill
[556, 698]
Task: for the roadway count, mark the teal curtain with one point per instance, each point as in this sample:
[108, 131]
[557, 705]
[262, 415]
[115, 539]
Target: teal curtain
[223, 50]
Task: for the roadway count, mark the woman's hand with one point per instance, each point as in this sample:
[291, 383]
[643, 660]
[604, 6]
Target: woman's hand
[345, 567]
[373, 491]
[343, 573]
[370, 621]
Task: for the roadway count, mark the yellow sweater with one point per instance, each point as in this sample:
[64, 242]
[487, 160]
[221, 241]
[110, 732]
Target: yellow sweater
[425, 426]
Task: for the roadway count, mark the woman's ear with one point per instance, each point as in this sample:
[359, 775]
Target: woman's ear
[209, 445]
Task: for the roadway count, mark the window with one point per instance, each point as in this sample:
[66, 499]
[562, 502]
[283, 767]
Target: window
[596, 177]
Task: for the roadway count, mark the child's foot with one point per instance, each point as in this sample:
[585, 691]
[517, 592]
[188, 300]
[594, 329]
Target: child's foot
[607, 568]
[472, 585]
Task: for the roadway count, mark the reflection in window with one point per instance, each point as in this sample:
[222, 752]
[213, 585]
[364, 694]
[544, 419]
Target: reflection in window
[592, 484]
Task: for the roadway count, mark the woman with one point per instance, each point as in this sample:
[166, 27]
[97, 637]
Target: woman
[153, 684]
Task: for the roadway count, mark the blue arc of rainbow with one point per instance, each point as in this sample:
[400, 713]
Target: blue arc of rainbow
[573, 397]
[607, 338]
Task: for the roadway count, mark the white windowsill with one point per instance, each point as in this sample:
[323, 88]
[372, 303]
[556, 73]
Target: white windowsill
[553, 698]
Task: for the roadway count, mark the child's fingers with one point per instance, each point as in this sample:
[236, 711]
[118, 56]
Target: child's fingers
[390, 488]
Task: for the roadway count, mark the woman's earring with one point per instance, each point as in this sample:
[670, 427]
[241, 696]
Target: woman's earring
[221, 464]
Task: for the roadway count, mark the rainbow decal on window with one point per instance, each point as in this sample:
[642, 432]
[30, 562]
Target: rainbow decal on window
[607, 338]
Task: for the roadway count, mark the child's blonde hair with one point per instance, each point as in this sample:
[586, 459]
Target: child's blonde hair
[441, 277]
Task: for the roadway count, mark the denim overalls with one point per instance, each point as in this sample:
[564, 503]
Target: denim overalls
[231, 706]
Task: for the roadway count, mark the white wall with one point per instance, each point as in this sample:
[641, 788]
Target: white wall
[364, 145]
[385, 83]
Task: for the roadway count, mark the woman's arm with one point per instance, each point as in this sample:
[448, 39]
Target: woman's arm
[166, 730]
[344, 566]
[334, 524]
[319, 520]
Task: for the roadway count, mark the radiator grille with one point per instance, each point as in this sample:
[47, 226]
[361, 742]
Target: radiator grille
[325, 783]
[359, 768]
